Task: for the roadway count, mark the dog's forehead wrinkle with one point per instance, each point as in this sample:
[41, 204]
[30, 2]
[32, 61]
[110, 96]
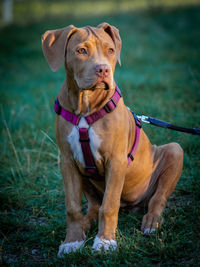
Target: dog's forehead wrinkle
[99, 35]
[80, 36]
[92, 31]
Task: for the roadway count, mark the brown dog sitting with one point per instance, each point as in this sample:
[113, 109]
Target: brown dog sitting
[98, 136]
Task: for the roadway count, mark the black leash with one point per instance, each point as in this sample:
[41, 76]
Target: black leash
[168, 125]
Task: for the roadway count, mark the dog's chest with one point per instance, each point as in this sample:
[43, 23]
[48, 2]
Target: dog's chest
[73, 140]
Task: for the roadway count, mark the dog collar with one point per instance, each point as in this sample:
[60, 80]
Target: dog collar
[74, 119]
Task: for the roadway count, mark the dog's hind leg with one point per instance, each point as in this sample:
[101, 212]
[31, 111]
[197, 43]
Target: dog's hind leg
[168, 171]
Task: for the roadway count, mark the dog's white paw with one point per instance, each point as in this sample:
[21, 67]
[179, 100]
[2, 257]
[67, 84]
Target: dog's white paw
[69, 247]
[148, 231]
[103, 244]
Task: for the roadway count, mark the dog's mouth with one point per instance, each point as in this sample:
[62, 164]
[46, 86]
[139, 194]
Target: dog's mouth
[101, 85]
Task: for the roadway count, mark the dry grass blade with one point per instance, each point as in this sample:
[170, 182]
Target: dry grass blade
[10, 139]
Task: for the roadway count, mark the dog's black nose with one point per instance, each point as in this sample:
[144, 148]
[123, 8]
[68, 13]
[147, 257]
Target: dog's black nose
[102, 70]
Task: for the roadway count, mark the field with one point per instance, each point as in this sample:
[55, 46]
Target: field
[159, 77]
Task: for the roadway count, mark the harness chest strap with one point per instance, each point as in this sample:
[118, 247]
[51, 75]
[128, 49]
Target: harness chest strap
[90, 165]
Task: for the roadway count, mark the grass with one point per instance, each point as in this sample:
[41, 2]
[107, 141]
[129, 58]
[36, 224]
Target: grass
[159, 77]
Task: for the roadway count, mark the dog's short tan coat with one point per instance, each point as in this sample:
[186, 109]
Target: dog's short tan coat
[90, 55]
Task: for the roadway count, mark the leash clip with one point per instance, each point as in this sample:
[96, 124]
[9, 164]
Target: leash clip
[143, 118]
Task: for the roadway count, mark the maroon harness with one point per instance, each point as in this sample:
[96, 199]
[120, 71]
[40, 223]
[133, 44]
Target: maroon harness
[90, 165]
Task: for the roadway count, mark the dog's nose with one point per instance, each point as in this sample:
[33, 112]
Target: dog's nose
[102, 70]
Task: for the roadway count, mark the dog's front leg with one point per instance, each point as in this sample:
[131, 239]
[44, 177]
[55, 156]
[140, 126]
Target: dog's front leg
[73, 192]
[108, 212]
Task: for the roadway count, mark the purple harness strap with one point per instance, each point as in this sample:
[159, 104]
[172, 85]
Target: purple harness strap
[136, 143]
[74, 119]
[71, 117]
[110, 105]
[90, 165]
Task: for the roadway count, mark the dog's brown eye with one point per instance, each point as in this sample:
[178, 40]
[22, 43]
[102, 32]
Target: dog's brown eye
[82, 51]
[110, 51]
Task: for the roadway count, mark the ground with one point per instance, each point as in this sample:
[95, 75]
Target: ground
[159, 77]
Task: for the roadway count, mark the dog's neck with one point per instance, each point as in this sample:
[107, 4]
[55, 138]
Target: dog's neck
[83, 102]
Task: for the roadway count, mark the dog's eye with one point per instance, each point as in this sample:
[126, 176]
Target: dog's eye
[111, 51]
[82, 51]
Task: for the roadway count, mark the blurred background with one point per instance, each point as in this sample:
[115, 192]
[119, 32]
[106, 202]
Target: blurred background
[159, 77]
[24, 11]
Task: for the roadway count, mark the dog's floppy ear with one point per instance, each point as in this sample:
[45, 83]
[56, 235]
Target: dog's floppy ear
[54, 45]
[114, 34]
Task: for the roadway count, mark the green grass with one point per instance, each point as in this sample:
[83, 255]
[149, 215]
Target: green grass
[159, 77]
[30, 10]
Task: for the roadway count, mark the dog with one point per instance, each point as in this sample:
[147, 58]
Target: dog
[115, 178]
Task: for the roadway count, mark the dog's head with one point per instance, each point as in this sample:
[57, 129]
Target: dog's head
[90, 54]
